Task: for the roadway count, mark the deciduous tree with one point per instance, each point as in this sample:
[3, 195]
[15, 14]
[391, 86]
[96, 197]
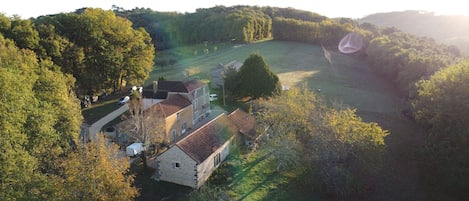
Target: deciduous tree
[144, 125]
[96, 171]
[333, 144]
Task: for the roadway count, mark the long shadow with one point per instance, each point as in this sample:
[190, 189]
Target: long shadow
[242, 172]
[267, 179]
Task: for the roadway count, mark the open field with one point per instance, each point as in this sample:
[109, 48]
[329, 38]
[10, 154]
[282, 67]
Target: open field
[346, 80]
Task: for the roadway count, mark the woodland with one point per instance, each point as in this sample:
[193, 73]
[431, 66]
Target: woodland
[49, 62]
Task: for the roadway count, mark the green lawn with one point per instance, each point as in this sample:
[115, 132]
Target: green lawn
[100, 109]
[254, 177]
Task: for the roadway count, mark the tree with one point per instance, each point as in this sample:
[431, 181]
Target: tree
[103, 51]
[39, 121]
[21, 31]
[442, 105]
[144, 125]
[96, 171]
[256, 79]
[231, 82]
[334, 145]
[17, 167]
[442, 100]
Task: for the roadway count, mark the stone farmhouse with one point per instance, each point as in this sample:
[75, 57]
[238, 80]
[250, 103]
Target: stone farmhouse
[177, 113]
[191, 160]
[194, 90]
[196, 147]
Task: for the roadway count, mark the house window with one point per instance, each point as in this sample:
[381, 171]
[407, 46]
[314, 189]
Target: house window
[216, 160]
[176, 165]
[178, 116]
[173, 135]
[183, 128]
[195, 103]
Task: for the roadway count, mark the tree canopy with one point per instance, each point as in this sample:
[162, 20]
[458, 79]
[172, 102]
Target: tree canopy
[96, 171]
[256, 80]
[40, 120]
[40, 123]
[442, 106]
[103, 51]
[333, 144]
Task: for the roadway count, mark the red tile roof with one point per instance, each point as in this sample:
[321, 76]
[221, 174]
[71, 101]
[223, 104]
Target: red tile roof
[179, 86]
[173, 104]
[245, 122]
[191, 85]
[201, 143]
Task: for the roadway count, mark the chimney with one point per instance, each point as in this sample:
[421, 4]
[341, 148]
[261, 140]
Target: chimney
[155, 86]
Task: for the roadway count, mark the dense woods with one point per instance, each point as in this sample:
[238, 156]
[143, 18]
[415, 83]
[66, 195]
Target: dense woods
[448, 29]
[39, 134]
[46, 62]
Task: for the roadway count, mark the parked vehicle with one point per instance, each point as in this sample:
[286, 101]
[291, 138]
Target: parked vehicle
[136, 88]
[123, 100]
[134, 149]
[213, 97]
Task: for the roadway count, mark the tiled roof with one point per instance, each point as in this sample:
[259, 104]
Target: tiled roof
[193, 84]
[171, 86]
[179, 86]
[201, 143]
[173, 104]
[245, 122]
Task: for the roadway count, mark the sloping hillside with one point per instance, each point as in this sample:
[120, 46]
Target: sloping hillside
[452, 30]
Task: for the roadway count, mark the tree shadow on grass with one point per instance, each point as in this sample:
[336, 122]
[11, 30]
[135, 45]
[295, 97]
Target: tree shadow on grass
[240, 172]
[268, 179]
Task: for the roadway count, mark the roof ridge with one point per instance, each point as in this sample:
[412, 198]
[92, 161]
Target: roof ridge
[177, 144]
[200, 128]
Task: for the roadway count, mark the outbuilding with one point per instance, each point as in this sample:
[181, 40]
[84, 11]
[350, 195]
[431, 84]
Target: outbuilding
[191, 160]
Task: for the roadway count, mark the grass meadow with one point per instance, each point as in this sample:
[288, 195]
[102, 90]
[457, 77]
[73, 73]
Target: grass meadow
[345, 80]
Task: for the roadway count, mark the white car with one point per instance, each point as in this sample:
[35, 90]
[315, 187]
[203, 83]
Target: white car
[213, 97]
[135, 88]
[123, 100]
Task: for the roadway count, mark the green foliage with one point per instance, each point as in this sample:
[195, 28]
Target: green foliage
[18, 174]
[448, 29]
[232, 82]
[21, 31]
[100, 50]
[96, 171]
[39, 121]
[326, 32]
[442, 99]
[256, 80]
[442, 105]
[333, 144]
[404, 59]
[209, 192]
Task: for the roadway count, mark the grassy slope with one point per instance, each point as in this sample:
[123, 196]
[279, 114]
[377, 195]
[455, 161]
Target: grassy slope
[347, 81]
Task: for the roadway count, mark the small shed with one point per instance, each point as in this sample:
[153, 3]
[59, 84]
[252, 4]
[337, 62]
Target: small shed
[217, 74]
